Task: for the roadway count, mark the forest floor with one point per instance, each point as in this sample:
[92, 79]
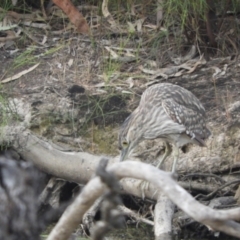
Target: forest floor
[79, 90]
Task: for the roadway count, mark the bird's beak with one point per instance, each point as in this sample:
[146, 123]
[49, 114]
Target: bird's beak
[124, 154]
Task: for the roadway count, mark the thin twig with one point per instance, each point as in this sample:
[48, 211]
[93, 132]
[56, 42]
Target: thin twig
[204, 175]
[212, 194]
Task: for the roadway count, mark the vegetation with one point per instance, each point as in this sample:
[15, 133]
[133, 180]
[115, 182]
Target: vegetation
[204, 22]
[211, 25]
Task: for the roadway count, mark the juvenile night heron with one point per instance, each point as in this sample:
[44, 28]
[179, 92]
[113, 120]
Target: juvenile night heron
[168, 112]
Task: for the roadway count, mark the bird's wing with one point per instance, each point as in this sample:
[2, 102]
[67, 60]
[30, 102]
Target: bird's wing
[193, 120]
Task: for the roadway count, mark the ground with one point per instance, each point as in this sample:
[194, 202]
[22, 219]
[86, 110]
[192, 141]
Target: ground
[79, 96]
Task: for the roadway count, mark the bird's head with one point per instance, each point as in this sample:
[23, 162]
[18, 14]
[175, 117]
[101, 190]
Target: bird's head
[126, 146]
[129, 136]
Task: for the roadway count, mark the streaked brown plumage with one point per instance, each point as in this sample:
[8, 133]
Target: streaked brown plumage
[168, 112]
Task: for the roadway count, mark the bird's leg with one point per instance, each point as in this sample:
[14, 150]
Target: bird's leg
[176, 155]
[166, 154]
[144, 184]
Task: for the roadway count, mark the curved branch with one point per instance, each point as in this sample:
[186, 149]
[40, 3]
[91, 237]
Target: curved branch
[219, 220]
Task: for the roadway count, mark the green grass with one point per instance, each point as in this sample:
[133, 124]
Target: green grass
[100, 107]
[29, 56]
[110, 68]
[6, 4]
[4, 116]
[184, 10]
[8, 114]
[8, 111]
[25, 58]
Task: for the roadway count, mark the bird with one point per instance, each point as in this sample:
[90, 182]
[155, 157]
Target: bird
[168, 112]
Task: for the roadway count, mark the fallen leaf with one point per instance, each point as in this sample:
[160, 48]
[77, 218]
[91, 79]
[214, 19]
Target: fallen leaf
[139, 24]
[74, 15]
[70, 62]
[130, 81]
[131, 27]
[14, 77]
[107, 14]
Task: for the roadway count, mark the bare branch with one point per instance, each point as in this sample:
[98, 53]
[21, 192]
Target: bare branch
[218, 220]
[163, 215]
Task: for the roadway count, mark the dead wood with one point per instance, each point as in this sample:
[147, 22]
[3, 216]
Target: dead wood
[163, 215]
[80, 166]
[51, 193]
[219, 220]
[111, 217]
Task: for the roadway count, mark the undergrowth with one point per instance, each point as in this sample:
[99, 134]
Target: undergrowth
[203, 23]
[102, 109]
[5, 4]
[8, 115]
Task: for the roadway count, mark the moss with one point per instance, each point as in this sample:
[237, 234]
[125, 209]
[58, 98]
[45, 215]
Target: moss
[105, 139]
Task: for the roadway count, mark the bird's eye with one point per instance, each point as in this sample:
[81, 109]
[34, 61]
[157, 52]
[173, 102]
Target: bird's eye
[124, 144]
